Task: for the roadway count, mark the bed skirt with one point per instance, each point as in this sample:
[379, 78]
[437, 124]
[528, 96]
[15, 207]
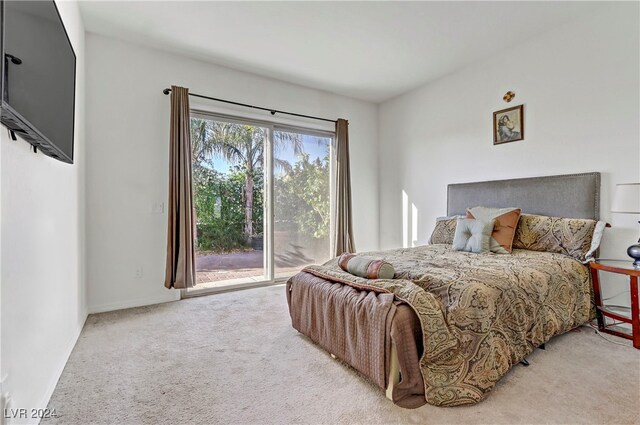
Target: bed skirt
[360, 328]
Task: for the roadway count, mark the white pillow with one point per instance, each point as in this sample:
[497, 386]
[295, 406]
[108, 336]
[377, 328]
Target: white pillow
[473, 235]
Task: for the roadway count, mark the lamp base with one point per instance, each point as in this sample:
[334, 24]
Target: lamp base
[634, 252]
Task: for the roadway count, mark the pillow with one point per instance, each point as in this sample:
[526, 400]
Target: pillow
[473, 235]
[367, 267]
[444, 230]
[576, 237]
[506, 221]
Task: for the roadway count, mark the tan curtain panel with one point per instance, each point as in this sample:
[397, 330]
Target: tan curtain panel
[181, 259]
[343, 228]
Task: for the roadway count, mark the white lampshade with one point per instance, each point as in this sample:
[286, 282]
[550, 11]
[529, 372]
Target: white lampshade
[626, 198]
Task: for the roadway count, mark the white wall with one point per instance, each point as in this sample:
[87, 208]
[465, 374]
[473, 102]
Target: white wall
[127, 158]
[580, 87]
[43, 303]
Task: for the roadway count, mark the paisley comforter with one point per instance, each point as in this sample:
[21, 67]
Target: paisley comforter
[480, 313]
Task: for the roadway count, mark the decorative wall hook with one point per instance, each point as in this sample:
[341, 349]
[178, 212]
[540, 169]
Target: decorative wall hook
[508, 97]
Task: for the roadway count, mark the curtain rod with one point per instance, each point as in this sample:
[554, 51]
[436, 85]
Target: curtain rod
[273, 111]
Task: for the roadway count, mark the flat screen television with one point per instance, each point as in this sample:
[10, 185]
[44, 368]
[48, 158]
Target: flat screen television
[38, 77]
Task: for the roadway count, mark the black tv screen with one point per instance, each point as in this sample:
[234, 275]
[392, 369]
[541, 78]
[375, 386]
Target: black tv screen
[39, 72]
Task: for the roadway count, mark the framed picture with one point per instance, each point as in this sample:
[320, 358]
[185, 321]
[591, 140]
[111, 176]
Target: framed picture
[508, 125]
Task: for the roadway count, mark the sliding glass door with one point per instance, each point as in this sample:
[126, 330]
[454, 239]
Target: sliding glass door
[301, 192]
[262, 200]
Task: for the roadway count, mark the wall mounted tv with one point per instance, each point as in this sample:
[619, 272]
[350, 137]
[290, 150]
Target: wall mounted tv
[38, 77]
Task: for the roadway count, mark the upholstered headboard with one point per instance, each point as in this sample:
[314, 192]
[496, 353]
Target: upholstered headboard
[569, 195]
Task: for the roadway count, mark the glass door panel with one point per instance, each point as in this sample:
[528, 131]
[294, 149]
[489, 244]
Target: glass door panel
[229, 198]
[301, 195]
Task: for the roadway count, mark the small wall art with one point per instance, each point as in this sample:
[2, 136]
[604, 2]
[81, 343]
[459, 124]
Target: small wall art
[508, 125]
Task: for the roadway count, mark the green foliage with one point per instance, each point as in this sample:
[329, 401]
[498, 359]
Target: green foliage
[219, 202]
[243, 147]
[301, 197]
[229, 205]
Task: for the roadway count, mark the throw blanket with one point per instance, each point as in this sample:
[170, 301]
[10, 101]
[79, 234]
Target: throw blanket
[480, 313]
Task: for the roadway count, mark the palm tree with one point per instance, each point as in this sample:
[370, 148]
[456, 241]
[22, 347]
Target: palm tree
[243, 146]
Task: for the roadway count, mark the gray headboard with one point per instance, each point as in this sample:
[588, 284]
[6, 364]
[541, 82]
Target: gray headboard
[570, 195]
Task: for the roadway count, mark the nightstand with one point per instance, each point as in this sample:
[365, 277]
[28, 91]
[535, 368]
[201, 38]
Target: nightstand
[624, 267]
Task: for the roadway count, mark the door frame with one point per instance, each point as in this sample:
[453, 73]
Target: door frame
[268, 208]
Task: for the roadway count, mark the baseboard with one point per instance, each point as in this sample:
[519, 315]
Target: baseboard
[60, 368]
[140, 302]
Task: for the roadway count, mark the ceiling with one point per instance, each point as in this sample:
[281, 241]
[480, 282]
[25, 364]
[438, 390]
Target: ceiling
[367, 50]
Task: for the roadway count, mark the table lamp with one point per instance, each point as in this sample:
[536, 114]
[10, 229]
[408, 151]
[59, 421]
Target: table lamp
[626, 200]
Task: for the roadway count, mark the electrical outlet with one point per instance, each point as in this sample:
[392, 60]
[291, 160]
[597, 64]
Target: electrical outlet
[137, 274]
[157, 208]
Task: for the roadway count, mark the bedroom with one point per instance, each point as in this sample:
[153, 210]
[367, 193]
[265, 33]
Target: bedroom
[84, 246]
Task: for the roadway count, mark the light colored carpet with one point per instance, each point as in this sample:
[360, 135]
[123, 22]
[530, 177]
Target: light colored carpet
[234, 358]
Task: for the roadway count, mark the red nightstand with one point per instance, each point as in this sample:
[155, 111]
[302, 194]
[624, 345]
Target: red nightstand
[625, 268]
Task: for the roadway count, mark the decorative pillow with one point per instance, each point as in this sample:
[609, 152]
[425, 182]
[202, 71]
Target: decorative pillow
[506, 221]
[575, 237]
[473, 235]
[367, 267]
[444, 230]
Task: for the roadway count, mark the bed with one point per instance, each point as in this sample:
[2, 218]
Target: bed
[450, 324]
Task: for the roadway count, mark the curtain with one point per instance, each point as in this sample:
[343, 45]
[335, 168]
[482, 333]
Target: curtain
[343, 228]
[181, 259]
